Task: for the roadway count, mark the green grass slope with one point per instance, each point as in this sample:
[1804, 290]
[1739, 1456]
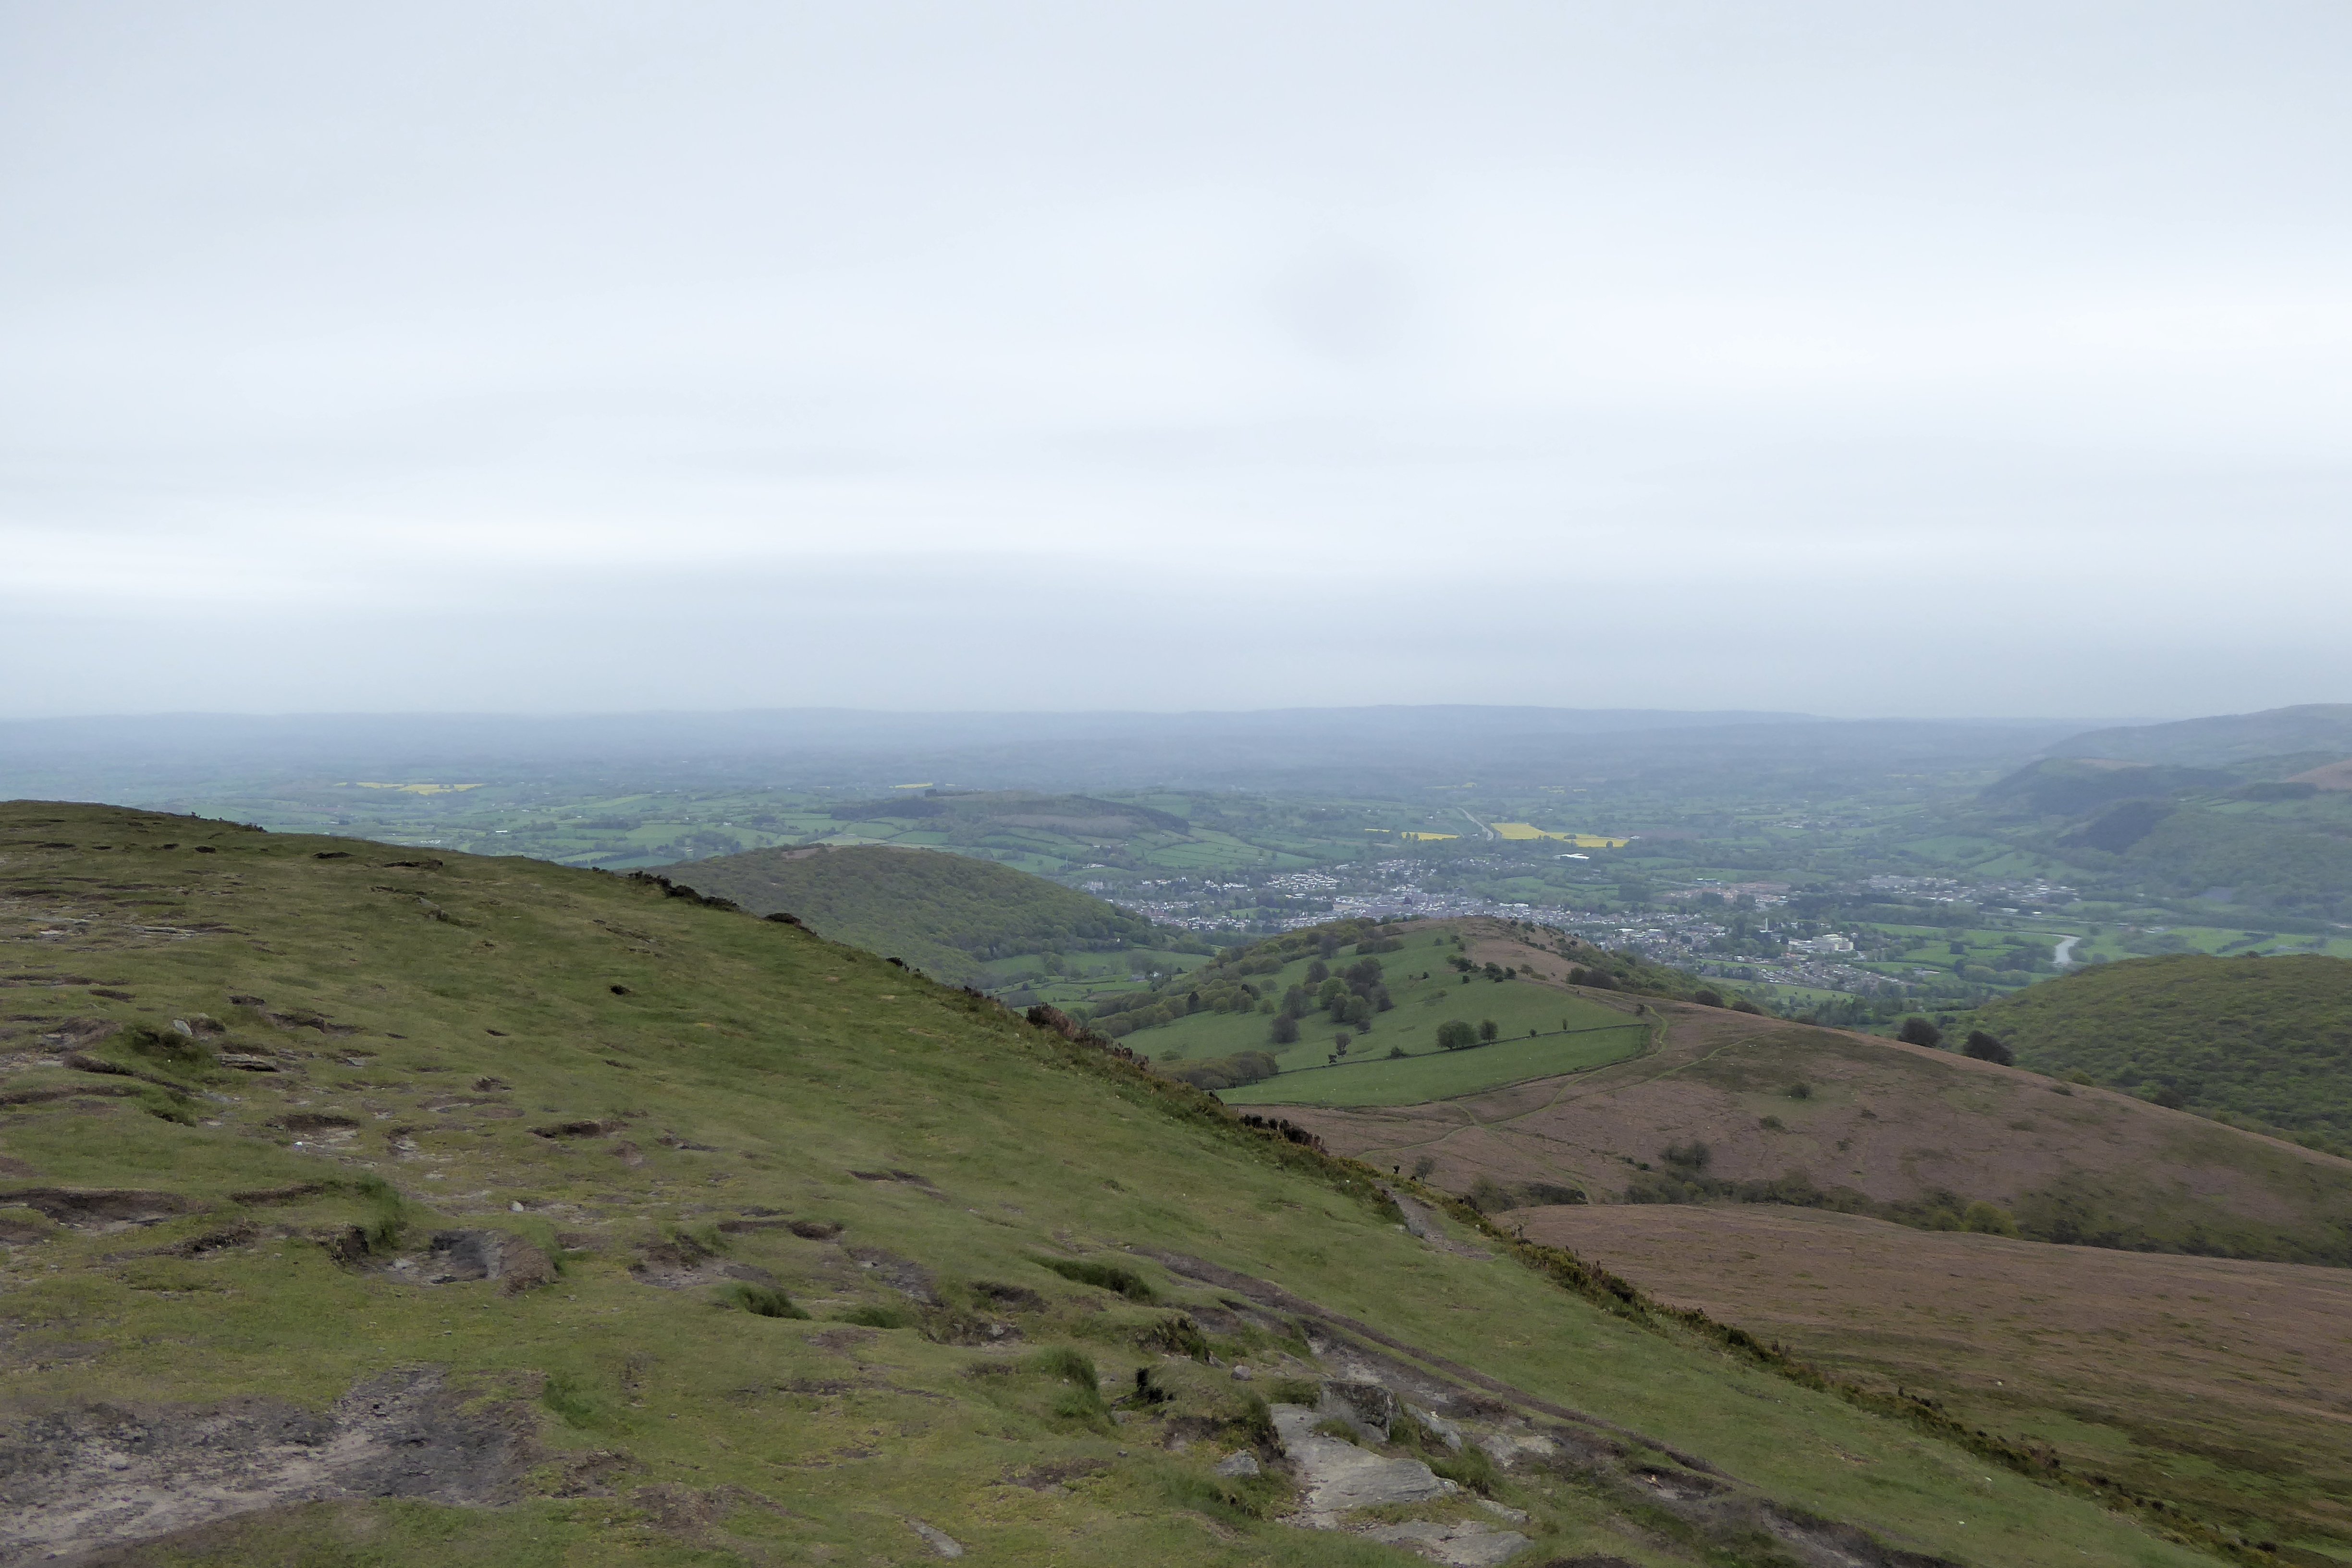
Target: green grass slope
[1540, 1030]
[2267, 1039]
[946, 914]
[363, 1207]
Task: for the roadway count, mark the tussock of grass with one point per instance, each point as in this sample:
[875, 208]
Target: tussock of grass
[767, 1301]
[1109, 1277]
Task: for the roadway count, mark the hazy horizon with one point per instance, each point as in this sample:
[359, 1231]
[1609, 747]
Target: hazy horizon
[1049, 358]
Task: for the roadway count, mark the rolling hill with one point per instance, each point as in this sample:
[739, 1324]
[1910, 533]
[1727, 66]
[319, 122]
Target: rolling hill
[946, 914]
[2268, 1039]
[359, 1206]
[1416, 980]
[1731, 1106]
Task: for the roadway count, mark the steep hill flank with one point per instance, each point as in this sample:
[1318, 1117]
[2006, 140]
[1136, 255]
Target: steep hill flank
[1796, 1114]
[2269, 1039]
[943, 913]
[470, 1216]
[2227, 1380]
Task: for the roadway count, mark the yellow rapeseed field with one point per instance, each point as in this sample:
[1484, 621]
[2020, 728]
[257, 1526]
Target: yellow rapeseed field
[1524, 830]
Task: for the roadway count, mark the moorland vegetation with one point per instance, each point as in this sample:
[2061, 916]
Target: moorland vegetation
[436, 1207]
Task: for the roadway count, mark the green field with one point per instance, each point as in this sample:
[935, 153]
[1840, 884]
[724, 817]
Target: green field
[1542, 1030]
[1442, 1075]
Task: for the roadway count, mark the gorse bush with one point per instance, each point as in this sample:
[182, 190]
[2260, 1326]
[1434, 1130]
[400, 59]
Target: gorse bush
[876, 1315]
[1986, 1048]
[766, 1301]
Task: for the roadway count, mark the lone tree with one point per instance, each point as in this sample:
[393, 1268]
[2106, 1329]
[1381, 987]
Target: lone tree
[1453, 1034]
[1919, 1031]
[1286, 1029]
[1985, 1048]
[1488, 1029]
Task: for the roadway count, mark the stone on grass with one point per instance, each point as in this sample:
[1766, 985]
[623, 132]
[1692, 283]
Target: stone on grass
[938, 1540]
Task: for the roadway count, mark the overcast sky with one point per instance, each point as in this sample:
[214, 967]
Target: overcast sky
[1858, 359]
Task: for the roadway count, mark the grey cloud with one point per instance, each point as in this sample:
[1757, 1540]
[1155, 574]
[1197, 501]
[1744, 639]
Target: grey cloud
[1834, 357]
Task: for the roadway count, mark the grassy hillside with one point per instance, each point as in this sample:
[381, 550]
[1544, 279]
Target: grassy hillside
[2229, 1380]
[1395, 1057]
[2268, 1039]
[945, 914]
[366, 1207]
[1734, 1107]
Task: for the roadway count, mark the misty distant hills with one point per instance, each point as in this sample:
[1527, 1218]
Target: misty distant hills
[2217, 741]
[1354, 749]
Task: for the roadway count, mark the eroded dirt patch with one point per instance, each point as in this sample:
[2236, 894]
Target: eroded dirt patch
[91, 1475]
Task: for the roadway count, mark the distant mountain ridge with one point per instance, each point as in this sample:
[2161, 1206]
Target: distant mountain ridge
[2223, 739]
[1393, 746]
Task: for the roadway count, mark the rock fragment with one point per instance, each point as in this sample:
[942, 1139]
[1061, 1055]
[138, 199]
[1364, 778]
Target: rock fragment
[938, 1540]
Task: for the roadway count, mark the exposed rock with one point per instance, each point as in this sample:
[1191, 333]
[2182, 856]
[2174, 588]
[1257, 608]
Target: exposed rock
[1239, 1463]
[1507, 1448]
[458, 1256]
[908, 1277]
[576, 1129]
[1465, 1544]
[1337, 1476]
[99, 1211]
[683, 1264]
[1445, 1431]
[1010, 1297]
[1368, 1407]
[939, 1541]
[77, 1480]
[1422, 1223]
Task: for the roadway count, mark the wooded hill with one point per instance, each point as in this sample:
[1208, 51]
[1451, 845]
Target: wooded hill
[2265, 1040]
[943, 913]
[362, 1206]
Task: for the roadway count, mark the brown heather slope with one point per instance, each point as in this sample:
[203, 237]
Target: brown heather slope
[2227, 1383]
[1882, 1127]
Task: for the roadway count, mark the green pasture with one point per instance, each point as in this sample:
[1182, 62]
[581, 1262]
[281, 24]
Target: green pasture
[1549, 1030]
